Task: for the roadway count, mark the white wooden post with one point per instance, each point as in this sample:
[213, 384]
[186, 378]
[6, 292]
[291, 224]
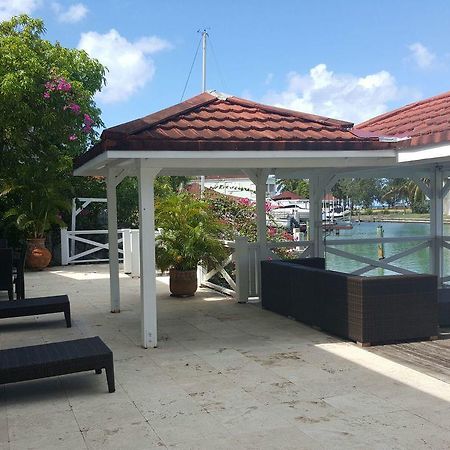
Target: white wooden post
[111, 184]
[261, 185]
[73, 224]
[437, 222]
[126, 250]
[259, 178]
[135, 254]
[147, 254]
[315, 214]
[241, 260]
[64, 247]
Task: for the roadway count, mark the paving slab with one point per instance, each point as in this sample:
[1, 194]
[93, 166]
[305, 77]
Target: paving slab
[224, 375]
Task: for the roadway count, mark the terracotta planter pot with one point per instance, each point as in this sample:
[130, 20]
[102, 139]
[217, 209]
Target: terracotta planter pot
[183, 283]
[38, 256]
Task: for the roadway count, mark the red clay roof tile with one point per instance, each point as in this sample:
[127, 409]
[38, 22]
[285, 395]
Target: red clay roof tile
[426, 122]
[213, 122]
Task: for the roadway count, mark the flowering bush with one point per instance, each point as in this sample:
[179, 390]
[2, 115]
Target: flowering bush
[59, 87]
[238, 215]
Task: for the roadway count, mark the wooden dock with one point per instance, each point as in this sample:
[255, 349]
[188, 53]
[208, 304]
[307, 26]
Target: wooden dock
[336, 226]
[429, 357]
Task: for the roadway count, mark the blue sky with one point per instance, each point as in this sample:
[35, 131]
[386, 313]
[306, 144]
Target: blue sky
[347, 59]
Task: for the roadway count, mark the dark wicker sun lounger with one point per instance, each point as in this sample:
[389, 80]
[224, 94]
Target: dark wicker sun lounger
[36, 306]
[59, 358]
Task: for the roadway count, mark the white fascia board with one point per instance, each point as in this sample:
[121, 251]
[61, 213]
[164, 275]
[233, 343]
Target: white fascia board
[95, 166]
[424, 154]
[263, 159]
[199, 160]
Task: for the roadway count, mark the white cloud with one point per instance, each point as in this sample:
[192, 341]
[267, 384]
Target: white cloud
[10, 8]
[74, 13]
[340, 96]
[268, 79]
[421, 56]
[129, 65]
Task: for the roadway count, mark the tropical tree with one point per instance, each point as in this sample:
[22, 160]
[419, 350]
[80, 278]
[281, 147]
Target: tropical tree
[300, 187]
[407, 190]
[47, 111]
[42, 202]
[359, 191]
[47, 116]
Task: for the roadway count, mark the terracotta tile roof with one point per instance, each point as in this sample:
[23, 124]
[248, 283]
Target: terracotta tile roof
[427, 122]
[214, 122]
[286, 195]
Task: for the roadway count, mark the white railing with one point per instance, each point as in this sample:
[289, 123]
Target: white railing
[239, 273]
[69, 253]
[246, 257]
[423, 242]
[244, 261]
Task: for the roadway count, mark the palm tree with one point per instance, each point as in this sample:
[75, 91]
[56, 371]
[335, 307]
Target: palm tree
[407, 190]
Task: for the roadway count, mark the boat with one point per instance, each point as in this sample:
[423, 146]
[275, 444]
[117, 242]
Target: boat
[288, 216]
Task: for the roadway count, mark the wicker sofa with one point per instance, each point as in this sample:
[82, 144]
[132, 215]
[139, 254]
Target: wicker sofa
[368, 310]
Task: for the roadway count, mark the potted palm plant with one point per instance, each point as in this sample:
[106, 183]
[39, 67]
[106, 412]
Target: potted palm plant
[40, 201]
[189, 235]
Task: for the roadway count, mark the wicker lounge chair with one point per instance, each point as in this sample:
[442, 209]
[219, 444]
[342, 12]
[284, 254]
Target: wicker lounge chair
[6, 271]
[59, 358]
[19, 272]
[37, 306]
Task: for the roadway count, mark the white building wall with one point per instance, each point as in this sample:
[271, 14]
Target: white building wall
[239, 187]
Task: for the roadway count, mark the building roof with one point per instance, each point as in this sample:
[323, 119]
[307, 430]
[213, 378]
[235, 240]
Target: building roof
[427, 122]
[286, 195]
[215, 122]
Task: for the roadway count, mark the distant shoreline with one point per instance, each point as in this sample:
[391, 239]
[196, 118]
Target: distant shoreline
[394, 219]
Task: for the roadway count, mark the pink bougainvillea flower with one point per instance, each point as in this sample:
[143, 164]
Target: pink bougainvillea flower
[73, 107]
[88, 120]
[287, 236]
[244, 201]
[272, 231]
[63, 85]
[50, 85]
[46, 94]
[86, 129]
[72, 137]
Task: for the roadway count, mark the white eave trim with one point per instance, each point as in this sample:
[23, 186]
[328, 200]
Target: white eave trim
[242, 154]
[242, 159]
[95, 166]
[424, 154]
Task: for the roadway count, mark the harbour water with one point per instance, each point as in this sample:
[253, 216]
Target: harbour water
[417, 262]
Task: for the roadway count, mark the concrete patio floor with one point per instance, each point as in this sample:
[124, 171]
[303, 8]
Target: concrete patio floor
[224, 376]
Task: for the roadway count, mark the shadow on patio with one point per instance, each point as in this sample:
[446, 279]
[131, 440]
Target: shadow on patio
[224, 375]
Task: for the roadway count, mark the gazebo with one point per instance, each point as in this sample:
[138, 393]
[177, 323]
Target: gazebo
[426, 127]
[217, 134]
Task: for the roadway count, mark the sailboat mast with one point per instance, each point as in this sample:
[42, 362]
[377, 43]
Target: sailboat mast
[204, 36]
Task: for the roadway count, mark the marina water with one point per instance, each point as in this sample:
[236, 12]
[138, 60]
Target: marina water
[417, 262]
